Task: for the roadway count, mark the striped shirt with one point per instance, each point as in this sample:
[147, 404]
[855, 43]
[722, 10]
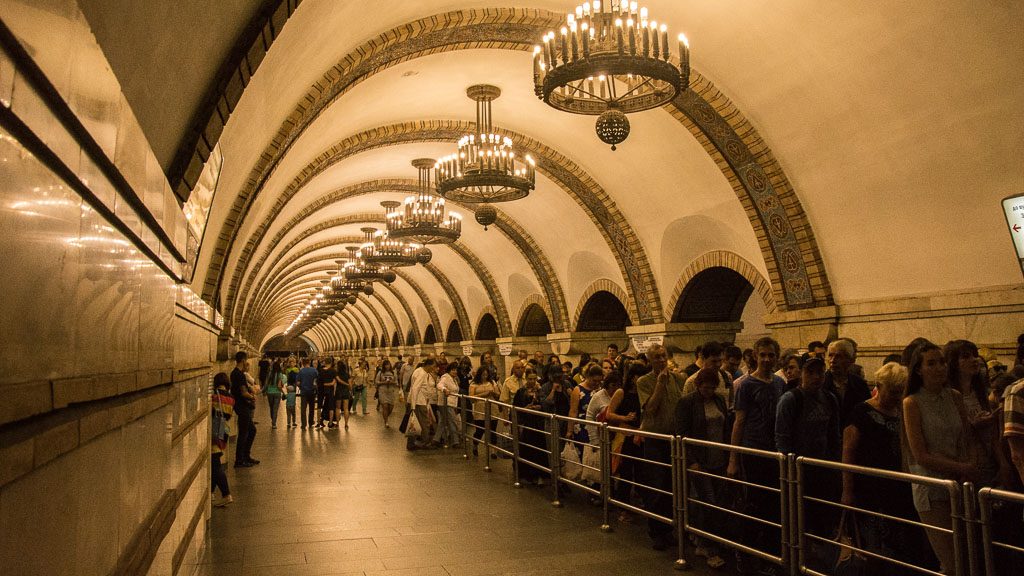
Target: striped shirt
[1013, 410]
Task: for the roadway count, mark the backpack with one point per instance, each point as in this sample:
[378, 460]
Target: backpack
[798, 398]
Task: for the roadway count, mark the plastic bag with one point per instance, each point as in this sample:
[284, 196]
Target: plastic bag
[571, 469]
[413, 428]
[591, 458]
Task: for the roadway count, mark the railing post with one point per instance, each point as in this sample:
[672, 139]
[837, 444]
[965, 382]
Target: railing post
[971, 520]
[956, 511]
[798, 505]
[985, 504]
[442, 421]
[466, 440]
[605, 446]
[678, 472]
[790, 559]
[556, 459]
[487, 434]
[514, 433]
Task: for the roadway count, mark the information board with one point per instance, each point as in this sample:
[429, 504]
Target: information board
[1013, 209]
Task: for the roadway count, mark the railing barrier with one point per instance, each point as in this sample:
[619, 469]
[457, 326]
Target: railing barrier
[976, 545]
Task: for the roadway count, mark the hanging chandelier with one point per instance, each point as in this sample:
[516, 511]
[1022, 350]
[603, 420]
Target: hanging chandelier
[355, 270]
[422, 218]
[609, 59]
[379, 249]
[484, 168]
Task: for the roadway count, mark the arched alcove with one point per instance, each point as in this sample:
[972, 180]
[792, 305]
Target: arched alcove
[454, 333]
[411, 339]
[287, 344]
[717, 294]
[384, 340]
[373, 341]
[366, 342]
[487, 328]
[428, 335]
[534, 322]
[396, 338]
[603, 312]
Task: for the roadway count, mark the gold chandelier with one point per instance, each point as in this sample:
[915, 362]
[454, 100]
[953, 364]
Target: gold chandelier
[379, 249]
[422, 218]
[484, 168]
[609, 59]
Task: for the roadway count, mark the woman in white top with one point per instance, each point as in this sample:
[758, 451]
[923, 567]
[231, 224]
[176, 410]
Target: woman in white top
[359, 380]
[482, 388]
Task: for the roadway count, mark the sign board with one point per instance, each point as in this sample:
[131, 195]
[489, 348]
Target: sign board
[642, 343]
[505, 349]
[467, 350]
[1013, 209]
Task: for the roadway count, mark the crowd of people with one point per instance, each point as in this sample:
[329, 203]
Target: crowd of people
[947, 412]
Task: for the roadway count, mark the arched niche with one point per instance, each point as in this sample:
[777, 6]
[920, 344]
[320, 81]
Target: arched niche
[534, 322]
[428, 335]
[373, 341]
[487, 328]
[396, 339]
[366, 342]
[603, 312]
[384, 340]
[410, 338]
[454, 333]
[717, 294]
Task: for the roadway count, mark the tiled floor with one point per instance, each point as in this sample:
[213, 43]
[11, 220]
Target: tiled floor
[357, 503]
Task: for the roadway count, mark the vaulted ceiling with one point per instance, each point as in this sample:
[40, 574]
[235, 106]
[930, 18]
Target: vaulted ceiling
[840, 151]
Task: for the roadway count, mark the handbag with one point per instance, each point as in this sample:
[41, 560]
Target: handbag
[405, 422]
[571, 469]
[850, 562]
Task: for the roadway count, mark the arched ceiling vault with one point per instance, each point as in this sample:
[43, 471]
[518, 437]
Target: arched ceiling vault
[794, 283]
[247, 269]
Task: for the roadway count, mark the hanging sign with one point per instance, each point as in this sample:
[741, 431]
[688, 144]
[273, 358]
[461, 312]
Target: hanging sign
[1013, 209]
[467, 350]
[642, 343]
[505, 349]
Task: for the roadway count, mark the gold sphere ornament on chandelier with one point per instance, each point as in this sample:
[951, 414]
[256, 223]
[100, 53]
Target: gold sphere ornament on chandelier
[609, 59]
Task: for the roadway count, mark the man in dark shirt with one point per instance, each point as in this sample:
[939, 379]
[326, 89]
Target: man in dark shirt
[245, 405]
[694, 366]
[847, 387]
[307, 393]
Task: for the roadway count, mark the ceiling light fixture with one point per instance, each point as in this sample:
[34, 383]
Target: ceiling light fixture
[485, 168]
[422, 218]
[609, 59]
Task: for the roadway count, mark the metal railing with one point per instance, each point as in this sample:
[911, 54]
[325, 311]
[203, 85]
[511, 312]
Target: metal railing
[535, 450]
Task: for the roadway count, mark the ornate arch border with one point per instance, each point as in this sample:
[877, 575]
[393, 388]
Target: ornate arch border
[527, 302]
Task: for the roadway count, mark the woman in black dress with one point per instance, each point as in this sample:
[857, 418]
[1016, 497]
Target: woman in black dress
[531, 442]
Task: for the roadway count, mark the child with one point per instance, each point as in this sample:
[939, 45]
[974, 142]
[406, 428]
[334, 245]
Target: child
[289, 404]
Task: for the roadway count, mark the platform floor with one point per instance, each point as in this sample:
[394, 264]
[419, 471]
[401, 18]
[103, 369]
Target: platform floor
[357, 502]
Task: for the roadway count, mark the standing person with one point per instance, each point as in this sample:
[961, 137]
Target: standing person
[1013, 425]
[532, 444]
[342, 392]
[872, 440]
[733, 362]
[274, 390]
[807, 424]
[387, 391]
[487, 360]
[965, 374]
[326, 380]
[448, 388]
[659, 392]
[360, 379]
[264, 371]
[291, 391]
[936, 425]
[221, 411]
[579, 400]
[423, 382]
[704, 415]
[245, 405]
[624, 412]
[849, 388]
[307, 377]
[482, 387]
[405, 376]
[712, 355]
[757, 396]
[506, 393]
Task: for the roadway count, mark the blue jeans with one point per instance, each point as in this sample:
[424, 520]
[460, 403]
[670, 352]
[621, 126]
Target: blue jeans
[274, 401]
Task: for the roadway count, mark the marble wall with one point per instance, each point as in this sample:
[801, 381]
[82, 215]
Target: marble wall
[106, 355]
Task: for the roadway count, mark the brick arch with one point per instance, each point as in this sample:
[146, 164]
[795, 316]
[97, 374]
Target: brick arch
[483, 312]
[601, 284]
[431, 311]
[798, 276]
[531, 300]
[723, 259]
[246, 268]
[376, 315]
